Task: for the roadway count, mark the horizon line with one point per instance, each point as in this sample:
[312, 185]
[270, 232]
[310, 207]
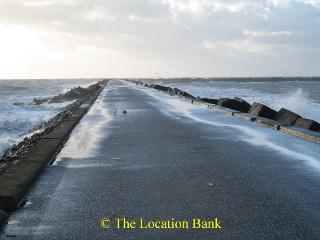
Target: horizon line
[173, 77]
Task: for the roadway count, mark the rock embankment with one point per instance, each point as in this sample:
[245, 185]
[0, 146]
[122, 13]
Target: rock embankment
[257, 112]
[172, 91]
[235, 104]
[73, 94]
[14, 153]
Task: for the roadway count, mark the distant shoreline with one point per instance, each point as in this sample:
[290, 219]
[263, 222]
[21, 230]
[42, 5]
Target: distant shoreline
[236, 79]
[225, 79]
[249, 79]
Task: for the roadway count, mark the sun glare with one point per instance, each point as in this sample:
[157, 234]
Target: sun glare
[20, 47]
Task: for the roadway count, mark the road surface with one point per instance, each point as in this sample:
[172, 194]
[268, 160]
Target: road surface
[157, 163]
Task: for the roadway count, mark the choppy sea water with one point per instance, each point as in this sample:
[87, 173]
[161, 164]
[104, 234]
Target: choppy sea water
[18, 120]
[300, 96]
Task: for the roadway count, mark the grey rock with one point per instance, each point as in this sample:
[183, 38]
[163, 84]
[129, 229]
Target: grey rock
[307, 124]
[18, 103]
[234, 104]
[261, 110]
[209, 100]
[187, 95]
[285, 116]
[174, 91]
[74, 94]
[160, 87]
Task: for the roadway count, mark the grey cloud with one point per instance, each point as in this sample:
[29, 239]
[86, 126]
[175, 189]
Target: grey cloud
[225, 33]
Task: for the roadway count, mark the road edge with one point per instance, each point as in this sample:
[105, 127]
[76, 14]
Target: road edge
[16, 181]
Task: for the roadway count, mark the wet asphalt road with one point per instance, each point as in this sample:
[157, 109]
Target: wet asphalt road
[146, 164]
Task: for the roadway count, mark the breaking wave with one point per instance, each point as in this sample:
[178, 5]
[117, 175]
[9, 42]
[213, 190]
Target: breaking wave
[301, 97]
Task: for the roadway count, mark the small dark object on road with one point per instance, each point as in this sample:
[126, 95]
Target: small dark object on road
[124, 112]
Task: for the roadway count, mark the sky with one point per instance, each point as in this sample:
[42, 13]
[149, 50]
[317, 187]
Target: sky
[159, 38]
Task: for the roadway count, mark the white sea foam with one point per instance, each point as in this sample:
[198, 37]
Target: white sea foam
[6, 142]
[286, 145]
[300, 97]
[16, 120]
[299, 102]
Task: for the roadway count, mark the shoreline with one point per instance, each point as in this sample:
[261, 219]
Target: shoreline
[35, 153]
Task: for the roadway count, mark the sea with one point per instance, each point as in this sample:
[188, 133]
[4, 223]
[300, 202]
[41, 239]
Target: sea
[20, 120]
[301, 95]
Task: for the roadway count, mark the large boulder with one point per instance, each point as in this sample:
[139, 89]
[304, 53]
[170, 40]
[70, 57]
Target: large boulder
[174, 91]
[234, 104]
[138, 82]
[261, 110]
[160, 87]
[38, 101]
[307, 124]
[209, 100]
[187, 95]
[244, 102]
[73, 94]
[177, 91]
[285, 116]
[93, 87]
[18, 103]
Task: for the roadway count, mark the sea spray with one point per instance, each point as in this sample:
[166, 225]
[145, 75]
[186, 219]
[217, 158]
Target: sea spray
[298, 96]
[299, 101]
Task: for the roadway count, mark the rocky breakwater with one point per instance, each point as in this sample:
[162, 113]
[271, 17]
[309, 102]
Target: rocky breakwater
[283, 120]
[73, 94]
[235, 104]
[267, 116]
[13, 154]
[172, 91]
[22, 163]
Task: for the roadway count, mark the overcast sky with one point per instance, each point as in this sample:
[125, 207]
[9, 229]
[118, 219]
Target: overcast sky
[153, 38]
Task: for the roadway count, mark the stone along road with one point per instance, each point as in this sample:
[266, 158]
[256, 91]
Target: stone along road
[152, 164]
